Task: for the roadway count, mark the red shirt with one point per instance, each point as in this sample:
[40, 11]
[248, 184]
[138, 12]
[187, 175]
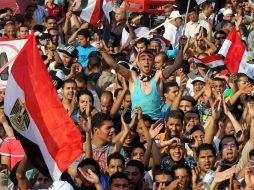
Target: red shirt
[56, 11]
[11, 147]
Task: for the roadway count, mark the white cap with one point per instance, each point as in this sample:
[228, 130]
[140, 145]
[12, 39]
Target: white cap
[227, 12]
[175, 14]
[61, 185]
[201, 79]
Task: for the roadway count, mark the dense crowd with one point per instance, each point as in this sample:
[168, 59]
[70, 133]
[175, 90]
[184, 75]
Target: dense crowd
[151, 116]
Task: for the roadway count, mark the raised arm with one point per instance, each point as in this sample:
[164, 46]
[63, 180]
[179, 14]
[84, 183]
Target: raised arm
[176, 102]
[126, 73]
[169, 70]
[117, 104]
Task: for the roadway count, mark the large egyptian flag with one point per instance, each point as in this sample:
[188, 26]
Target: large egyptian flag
[48, 135]
[237, 58]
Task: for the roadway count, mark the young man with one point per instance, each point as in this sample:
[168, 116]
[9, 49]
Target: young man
[187, 103]
[170, 91]
[50, 22]
[22, 31]
[115, 163]
[106, 101]
[206, 156]
[84, 48]
[182, 172]
[134, 171]
[118, 181]
[69, 88]
[162, 177]
[146, 85]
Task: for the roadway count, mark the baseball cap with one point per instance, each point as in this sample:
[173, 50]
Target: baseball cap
[61, 185]
[201, 79]
[70, 50]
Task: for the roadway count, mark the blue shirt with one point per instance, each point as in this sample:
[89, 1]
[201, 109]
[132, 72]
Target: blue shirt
[83, 54]
[165, 108]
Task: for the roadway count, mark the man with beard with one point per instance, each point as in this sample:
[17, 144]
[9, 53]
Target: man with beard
[69, 88]
[134, 171]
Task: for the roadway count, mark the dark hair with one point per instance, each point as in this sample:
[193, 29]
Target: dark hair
[84, 32]
[137, 164]
[80, 77]
[251, 153]
[225, 137]
[117, 175]
[180, 165]
[176, 114]
[168, 85]
[116, 156]
[185, 67]
[197, 128]
[205, 146]
[189, 99]
[94, 62]
[164, 56]
[240, 75]
[138, 146]
[144, 41]
[147, 118]
[220, 32]
[50, 17]
[224, 23]
[155, 40]
[99, 118]
[30, 6]
[161, 171]
[219, 79]
[206, 4]
[145, 20]
[68, 81]
[89, 161]
[85, 92]
[192, 111]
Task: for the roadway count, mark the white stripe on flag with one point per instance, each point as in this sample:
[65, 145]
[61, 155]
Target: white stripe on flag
[87, 13]
[225, 47]
[216, 63]
[33, 133]
[245, 67]
[200, 1]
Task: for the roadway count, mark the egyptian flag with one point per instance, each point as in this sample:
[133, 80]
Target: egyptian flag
[90, 10]
[48, 135]
[237, 59]
[214, 62]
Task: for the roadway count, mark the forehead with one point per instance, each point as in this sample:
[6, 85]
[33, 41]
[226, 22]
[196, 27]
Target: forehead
[115, 161]
[70, 84]
[119, 180]
[145, 55]
[163, 177]
[181, 171]
[185, 102]
[228, 140]
[51, 20]
[132, 169]
[205, 152]
[198, 132]
[107, 123]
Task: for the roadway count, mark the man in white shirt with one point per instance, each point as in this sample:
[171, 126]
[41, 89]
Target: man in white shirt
[194, 25]
[172, 28]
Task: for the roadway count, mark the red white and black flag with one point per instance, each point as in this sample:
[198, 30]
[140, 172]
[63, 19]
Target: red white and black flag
[91, 11]
[48, 135]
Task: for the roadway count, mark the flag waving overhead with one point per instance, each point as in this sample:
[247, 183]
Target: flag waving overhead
[236, 57]
[212, 62]
[91, 10]
[47, 134]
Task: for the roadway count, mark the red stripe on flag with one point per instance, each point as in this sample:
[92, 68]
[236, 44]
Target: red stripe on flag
[235, 53]
[61, 136]
[210, 59]
[96, 13]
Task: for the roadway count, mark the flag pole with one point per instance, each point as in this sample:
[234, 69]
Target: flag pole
[186, 16]
[101, 13]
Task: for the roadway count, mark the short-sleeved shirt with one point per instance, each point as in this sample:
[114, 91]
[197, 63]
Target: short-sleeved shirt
[83, 54]
[56, 11]
[12, 148]
[100, 154]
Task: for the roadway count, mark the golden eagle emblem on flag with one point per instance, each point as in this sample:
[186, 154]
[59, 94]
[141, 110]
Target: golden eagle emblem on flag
[19, 115]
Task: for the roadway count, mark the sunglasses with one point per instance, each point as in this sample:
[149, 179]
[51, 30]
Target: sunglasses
[166, 183]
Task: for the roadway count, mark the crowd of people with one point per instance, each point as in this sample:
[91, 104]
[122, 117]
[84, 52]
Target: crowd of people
[151, 117]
